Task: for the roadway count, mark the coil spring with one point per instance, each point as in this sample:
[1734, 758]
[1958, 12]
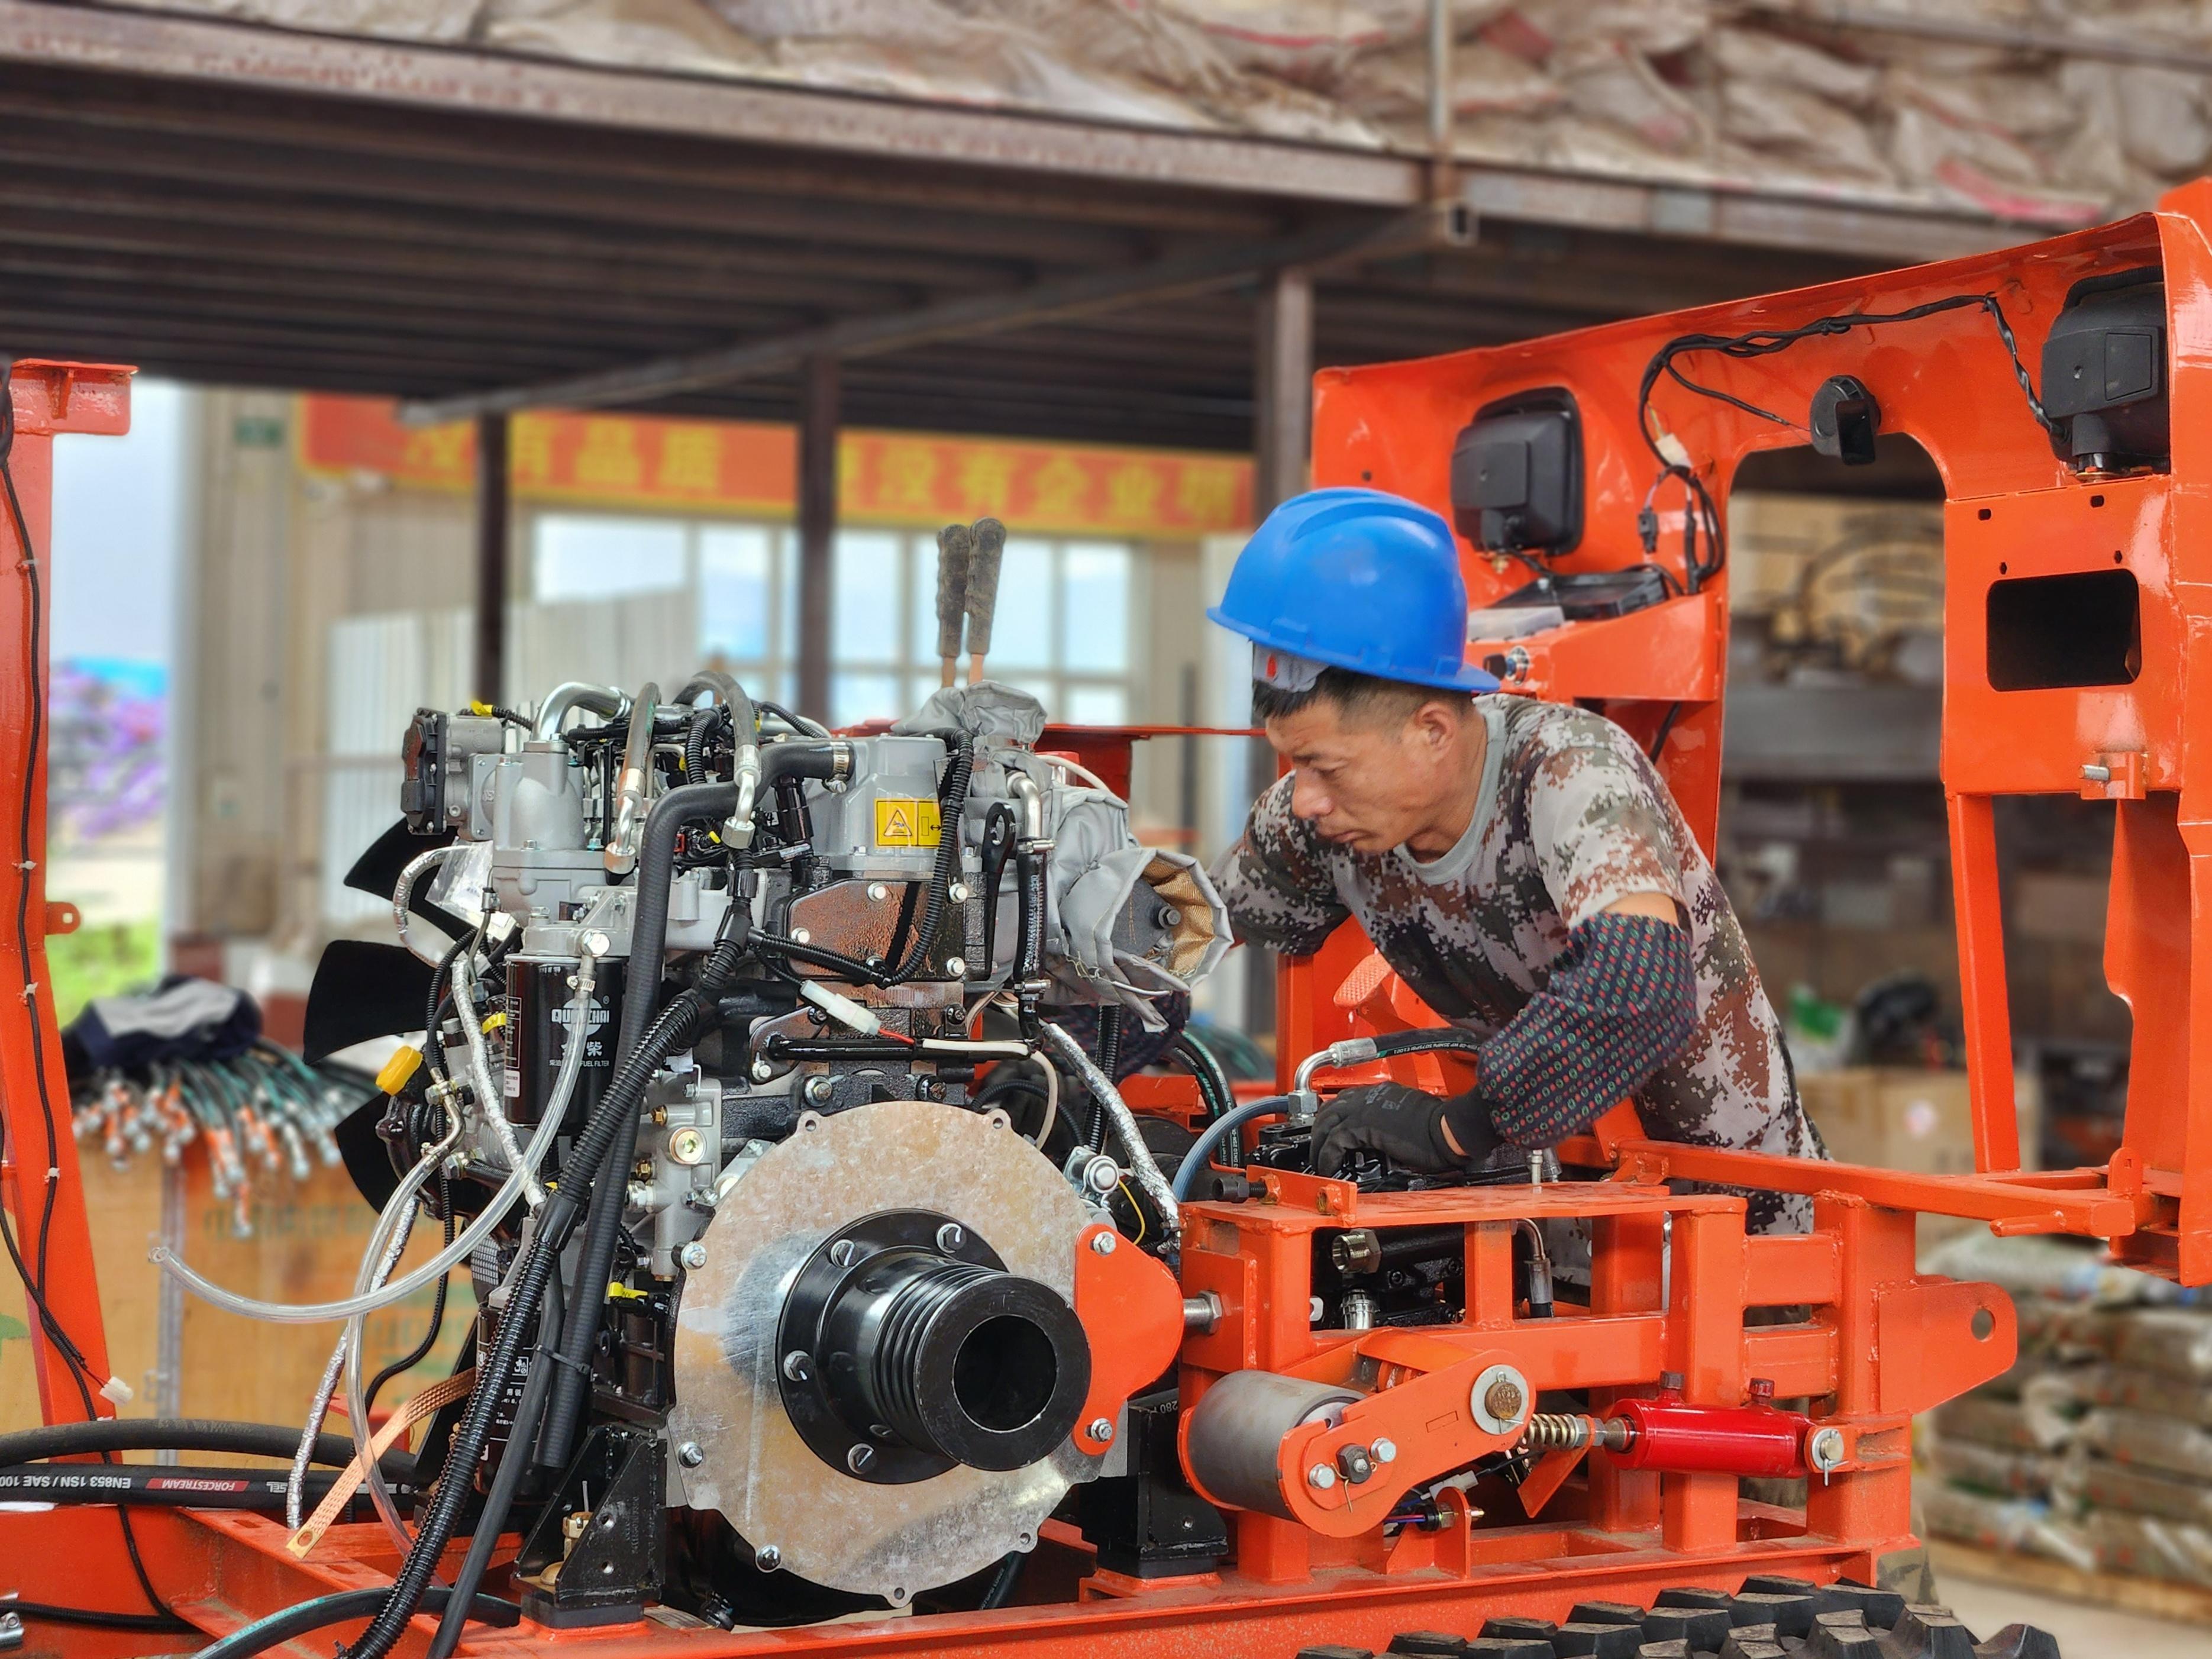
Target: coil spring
[1556, 1431]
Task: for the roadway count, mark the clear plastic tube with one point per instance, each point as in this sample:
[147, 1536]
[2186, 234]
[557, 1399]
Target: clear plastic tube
[487, 1098]
[315, 1313]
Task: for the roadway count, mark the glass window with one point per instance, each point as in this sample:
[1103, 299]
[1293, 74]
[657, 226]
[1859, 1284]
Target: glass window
[857, 697]
[865, 611]
[1096, 705]
[1022, 633]
[580, 555]
[736, 582]
[1095, 587]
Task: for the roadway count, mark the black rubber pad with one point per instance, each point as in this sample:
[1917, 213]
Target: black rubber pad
[1594, 1641]
[1791, 1613]
[1704, 1628]
[1606, 1613]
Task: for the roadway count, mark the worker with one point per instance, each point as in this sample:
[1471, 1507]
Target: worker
[1518, 863]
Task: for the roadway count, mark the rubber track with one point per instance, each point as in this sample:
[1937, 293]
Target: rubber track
[1770, 1618]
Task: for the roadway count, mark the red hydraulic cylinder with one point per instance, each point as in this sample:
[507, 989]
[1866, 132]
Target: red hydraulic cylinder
[1745, 1440]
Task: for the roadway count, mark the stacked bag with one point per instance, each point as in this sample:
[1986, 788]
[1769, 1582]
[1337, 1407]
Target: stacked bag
[2095, 1449]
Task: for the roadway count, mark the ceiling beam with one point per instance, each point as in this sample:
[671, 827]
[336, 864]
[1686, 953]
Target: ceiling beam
[1196, 271]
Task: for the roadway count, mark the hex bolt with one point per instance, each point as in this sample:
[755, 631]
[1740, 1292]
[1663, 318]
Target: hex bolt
[858, 1458]
[842, 1252]
[1320, 1477]
[1353, 1463]
[819, 1088]
[690, 1454]
[877, 891]
[695, 1255]
[597, 944]
[762, 1070]
[768, 1558]
[958, 892]
[1101, 1429]
[1383, 1451]
[1101, 1244]
[800, 936]
[957, 966]
[1504, 1401]
[798, 1365]
[950, 1236]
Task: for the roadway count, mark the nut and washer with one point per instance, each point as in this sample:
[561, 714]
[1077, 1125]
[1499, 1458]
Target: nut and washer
[694, 1255]
[687, 1147]
[1383, 1451]
[950, 1236]
[690, 1455]
[1499, 1400]
[818, 1090]
[1353, 1463]
[798, 1365]
[1320, 1477]
[1101, 1429]
[1102, 1243]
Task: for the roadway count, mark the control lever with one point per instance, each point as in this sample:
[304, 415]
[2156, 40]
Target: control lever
[953, 542]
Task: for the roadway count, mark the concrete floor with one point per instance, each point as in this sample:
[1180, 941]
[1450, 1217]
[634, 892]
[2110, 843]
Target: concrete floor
[2083, 1632]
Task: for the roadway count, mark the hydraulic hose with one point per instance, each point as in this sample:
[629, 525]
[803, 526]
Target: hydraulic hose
[1213, 1086]
[151, 1486]
[185, 1434]
[337, 1608]
[1200, 1155]
[636, 782]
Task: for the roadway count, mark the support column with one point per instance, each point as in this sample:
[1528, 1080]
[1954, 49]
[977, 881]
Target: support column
[492, 533]
[1282, 424]
[817, 529]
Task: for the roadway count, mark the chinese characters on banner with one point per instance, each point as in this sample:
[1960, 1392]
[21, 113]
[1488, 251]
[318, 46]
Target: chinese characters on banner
[748, 467]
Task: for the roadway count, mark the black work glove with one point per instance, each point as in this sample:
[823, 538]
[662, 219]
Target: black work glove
[1405, 1126]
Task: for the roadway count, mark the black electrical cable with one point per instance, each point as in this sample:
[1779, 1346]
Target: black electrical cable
[952, 798]
[420, 1352]
[35, 1291]
[1701, 516]
[1001, 1589]
[337, 1608]
[1666, 730]
[156, 1623]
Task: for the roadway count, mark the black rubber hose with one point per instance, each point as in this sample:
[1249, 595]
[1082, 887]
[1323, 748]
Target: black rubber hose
[157, 1485]
[1001, 1590]
[997, 846]
[656, 867]
[1427, 1041]
[528, 1411]
[337, 1608]
[952, 798]
[97, 1618]
[1110, 1058]
[186, 1434]
[1213, 1086]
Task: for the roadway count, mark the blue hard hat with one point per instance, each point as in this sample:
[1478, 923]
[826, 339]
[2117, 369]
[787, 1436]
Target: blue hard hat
[1356, 579]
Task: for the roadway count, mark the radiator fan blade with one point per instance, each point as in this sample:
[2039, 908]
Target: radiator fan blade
[362, 990]
[377, 871]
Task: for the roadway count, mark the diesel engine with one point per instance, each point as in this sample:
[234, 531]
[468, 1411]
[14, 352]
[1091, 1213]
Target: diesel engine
[818, 1252]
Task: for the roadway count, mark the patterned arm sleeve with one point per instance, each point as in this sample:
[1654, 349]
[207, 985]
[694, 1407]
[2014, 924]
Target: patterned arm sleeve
[1277, 882]
[1620, 1002]
[1601, 825]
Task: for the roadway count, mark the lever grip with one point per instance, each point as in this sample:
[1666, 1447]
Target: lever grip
[953, 542]
[990, 543]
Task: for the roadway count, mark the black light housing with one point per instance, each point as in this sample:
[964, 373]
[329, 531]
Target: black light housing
[2105, 381]
[1517, 475]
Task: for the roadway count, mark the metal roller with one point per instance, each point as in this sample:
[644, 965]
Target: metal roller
[1237, 1432]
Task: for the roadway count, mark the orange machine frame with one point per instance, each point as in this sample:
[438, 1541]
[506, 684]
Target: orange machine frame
[1839, 1316]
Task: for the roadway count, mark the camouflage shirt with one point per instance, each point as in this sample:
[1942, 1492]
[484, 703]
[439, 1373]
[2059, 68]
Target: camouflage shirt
[1570, 817]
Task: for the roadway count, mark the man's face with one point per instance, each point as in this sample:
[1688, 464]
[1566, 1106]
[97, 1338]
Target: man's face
[1369, 781]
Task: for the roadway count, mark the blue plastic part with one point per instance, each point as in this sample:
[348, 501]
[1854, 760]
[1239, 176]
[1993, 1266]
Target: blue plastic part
[1356, 579]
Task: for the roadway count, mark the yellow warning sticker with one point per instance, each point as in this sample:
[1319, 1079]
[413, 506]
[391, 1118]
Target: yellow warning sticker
[904, 821]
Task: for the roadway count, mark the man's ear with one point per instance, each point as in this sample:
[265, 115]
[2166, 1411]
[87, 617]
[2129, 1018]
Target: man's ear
[1435, 727]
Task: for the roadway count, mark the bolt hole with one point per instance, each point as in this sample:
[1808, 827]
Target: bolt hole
[1982, 1324]
[2003, 566]
[2119, 557]
[1366, 477]
[1983, 513]
[2096, 500]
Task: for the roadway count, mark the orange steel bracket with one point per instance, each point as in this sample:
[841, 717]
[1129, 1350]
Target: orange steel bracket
[1938, 1338]
[1132, 1309]
[38, 1182]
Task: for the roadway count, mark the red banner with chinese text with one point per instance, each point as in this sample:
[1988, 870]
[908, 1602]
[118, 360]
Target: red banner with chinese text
[748, 468]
